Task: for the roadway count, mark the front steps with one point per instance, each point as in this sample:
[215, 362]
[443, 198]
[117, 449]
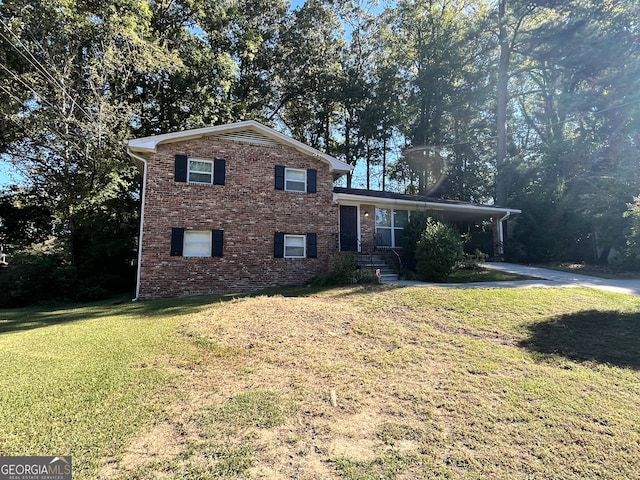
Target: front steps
[375, 262]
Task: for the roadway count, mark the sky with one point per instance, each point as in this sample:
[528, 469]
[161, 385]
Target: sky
[7, 174]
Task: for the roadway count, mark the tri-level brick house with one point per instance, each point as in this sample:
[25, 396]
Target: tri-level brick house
[240, 207]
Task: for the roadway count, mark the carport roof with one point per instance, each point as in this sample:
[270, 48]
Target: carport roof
[454, 210]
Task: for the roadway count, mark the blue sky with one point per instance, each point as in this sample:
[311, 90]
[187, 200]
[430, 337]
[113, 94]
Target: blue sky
[7, 173]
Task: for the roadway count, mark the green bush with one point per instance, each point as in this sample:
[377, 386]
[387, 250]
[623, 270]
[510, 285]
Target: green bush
[410, 238]
[345, 272]
[629, 255]
[34, 277]
[471, 261]
[438, 251]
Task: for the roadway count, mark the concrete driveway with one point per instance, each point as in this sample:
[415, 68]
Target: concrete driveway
[544, 278]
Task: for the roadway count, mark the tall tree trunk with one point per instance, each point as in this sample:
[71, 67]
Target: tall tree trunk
[368, 166]
[384, 164]
[502, 101]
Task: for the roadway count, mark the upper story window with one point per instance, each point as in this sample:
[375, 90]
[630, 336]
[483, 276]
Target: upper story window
[200, 171]
[295, 180]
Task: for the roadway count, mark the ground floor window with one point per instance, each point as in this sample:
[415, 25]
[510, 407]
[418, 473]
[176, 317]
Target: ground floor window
[286, 245]
[197, 243]
[390, 225]
[294, 246]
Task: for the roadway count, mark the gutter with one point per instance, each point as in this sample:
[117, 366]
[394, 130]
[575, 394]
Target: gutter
[500, 233]
[144, 192]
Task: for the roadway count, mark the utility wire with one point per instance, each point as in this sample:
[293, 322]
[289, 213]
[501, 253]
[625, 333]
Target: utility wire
[40, 68]
[57, 132]
[30, 87]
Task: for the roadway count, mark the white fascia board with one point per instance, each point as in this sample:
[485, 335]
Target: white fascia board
[418, 205]
[150, 144]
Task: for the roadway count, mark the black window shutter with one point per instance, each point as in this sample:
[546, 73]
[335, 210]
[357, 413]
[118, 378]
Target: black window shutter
[278, 245]
[312, 245]
[218, 240]
[219, 165]
[177, 239]
[311, 180]
[181, 168]
[279, 177]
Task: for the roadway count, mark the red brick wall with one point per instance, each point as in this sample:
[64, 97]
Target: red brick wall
[248, 208]
[368, 227]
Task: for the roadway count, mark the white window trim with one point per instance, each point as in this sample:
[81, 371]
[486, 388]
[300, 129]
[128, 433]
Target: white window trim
[304, 181]
[392, 227]
[304, 246]
[189, 171]
[184, 243]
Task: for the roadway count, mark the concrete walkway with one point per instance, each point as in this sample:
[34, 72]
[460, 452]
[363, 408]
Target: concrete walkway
[544, 278]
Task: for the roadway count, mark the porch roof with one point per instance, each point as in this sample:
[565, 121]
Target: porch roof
[453, 210]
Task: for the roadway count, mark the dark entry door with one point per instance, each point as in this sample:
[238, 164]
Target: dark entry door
[348, 228]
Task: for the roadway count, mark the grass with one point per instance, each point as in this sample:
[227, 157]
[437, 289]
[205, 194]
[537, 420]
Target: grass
[347, 383]
[616, 272]
[470, 275]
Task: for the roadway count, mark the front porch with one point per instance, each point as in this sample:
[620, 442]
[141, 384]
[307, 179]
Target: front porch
[373, 221]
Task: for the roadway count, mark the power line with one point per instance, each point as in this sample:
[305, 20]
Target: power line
[30, 87]
[57, 132]
[33, 61]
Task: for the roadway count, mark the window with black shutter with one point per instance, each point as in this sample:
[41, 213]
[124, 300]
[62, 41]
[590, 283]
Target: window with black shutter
[312, 245]
[194, 170]
[218, 241]
[311, 180]
[295, 179]
[177, 241]
[278, 245]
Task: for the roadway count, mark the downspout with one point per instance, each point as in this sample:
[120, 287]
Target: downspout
[144, 191]
[500, 232]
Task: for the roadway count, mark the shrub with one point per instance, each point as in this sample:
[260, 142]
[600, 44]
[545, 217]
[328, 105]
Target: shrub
[410, 238]
[471, 261]
[34, 277]
[629, 255]
[438, 251]
[345, 272]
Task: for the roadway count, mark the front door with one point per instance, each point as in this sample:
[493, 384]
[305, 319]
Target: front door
[348, 228]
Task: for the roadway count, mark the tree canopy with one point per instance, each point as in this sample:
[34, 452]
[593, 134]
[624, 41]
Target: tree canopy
[527, 104]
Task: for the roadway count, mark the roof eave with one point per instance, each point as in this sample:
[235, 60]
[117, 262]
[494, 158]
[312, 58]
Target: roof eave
[150, 144]
[424, 205]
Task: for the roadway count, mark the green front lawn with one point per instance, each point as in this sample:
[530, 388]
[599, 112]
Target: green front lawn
[355, 383]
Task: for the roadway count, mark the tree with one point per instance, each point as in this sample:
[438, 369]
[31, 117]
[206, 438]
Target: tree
[439, 47]
[308, 82]
[72, 71]
[24, 219]
[575, 97]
